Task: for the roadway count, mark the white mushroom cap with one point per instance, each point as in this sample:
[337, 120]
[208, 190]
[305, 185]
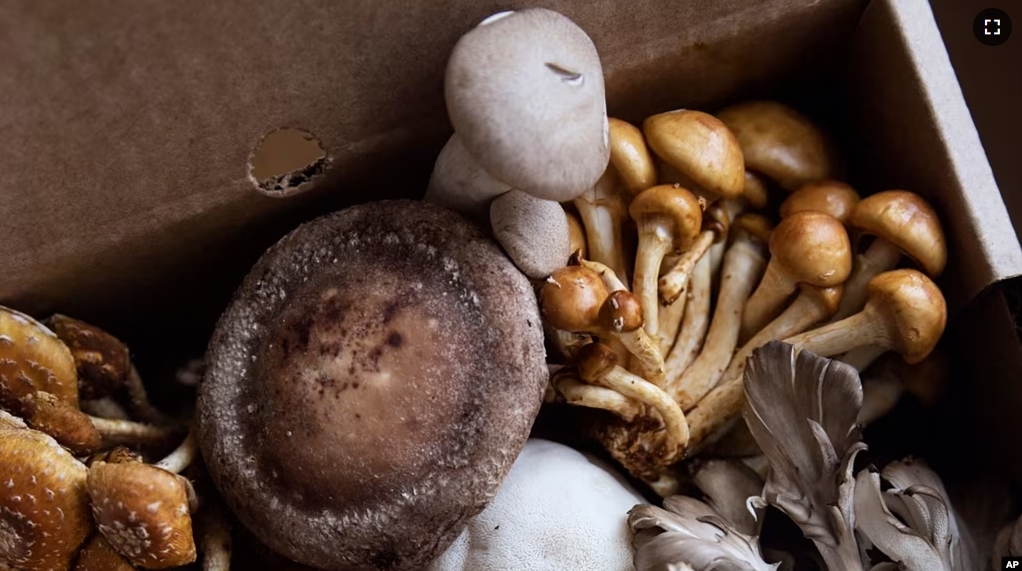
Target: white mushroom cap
[525, 92]
[557, 509]
[533, 231]
[460, 184]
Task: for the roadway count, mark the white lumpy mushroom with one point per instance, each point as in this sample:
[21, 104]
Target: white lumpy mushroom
[525, 94]
[460, 184]
[557, 509]
[533, 231]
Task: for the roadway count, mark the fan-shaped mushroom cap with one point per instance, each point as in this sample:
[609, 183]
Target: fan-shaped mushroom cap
[907, 221]
[533, 231]
[779, 142]
[525, 92]
[698, 146]
[914, 310]
[830, 197]
[392, 339]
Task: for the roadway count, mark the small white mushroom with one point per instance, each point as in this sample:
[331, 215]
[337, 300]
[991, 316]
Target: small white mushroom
[458, 182]
[533, 231]
[525, 92]
[557, 509]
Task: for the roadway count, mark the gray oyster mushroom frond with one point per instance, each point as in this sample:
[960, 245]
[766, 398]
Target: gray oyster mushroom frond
[687, 534]
[728, 485]
[912, 522]
[802, 412]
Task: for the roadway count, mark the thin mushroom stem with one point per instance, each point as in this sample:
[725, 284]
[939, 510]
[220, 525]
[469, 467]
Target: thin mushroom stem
[655, 242]
[670, 316]
[862, 357]
[621, 316]
[603, 211]
[635, 387]
[881, 256]
[609, 277]
[578, 393]
[743, 265]
[129, 432]
[695, 323]
[216, 542]
[105, 407]
[182, 456]
[880, 395]
[674, 282]
[138, 401]
[863, 328]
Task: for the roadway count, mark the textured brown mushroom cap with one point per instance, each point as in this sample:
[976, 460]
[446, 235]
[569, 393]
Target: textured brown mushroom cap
[44, 509]
[904, 219]
[621, 312]
[66, 424]
[370, 385]
[779, 142]
[812, 248]
[525, 93]
[699, 146]
[630, 156]
[827, 298]
[99, 555]
[594, 360]
[915, 310]
[533, 231]
[32, 359]
[673, 205]
[831, 197]
[143, 512]
[102, 360]
[571, 298]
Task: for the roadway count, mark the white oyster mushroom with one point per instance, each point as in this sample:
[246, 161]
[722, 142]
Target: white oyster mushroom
[533, 231]
[525, 93]
[558, 509]
[460, 184]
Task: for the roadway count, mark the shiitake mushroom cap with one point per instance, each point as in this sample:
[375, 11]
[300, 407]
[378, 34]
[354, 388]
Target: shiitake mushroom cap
[370, 385]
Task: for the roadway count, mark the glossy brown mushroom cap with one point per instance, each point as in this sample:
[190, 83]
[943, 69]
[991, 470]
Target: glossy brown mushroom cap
[33, 359]
[44, 508]
[755, 191]
[778, 142]
[102, 361]
[755, 225]
[371, 383]
[830, 197]
[594, 360]
[904, 219]
[143, 512]
[914, 309]
[571, 298]
[826, 298]
[630, 156]
[812, 248]
[673, 205]
[700, 147]
[622, 312]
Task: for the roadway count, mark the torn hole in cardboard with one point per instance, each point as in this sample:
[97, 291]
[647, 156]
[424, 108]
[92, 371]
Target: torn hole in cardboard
[286, 161]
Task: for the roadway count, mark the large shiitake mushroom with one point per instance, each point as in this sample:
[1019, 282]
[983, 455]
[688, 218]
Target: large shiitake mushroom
[370, 385]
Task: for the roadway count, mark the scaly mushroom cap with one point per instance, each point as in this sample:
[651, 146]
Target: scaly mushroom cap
[593, 361]
[33, 359]
[830, 197]
[700, 147]
[812, 248]
[99, 555]
[143, 512]
[621, 312]
[44, 509]
[779, 142]
[630, 156]
[672, 205]
[571, 298]
[914, 308]
[66, 424]
[525, 93]
[906, 220]
[394, 340]
[102, 361]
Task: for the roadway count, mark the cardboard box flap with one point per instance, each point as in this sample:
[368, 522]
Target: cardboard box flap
[896, 61]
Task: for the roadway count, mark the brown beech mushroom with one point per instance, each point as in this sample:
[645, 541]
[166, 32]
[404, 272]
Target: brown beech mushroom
[525, 93]
[579, 393]
[33, 359]
[743, 266]
[716, 220]
[392, 339]
[695, 322]
[597, 364]
[66, 424]
[99, 555]
[576, 235]
[831, 197]
[630, 156]
[756, 193]
[621, 314]
[904, 312]
[806, 247]
[778, 142]
[668, 218]
[699, 148]
[533, 231]
[44, 510]
[902, 224]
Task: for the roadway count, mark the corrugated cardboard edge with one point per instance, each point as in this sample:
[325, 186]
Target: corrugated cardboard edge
[975, 216]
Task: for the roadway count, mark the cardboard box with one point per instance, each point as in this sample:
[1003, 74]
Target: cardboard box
[128, 128]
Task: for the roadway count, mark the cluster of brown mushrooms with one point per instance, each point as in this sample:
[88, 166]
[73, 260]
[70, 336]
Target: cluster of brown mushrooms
[709, 236]
[75, 429]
